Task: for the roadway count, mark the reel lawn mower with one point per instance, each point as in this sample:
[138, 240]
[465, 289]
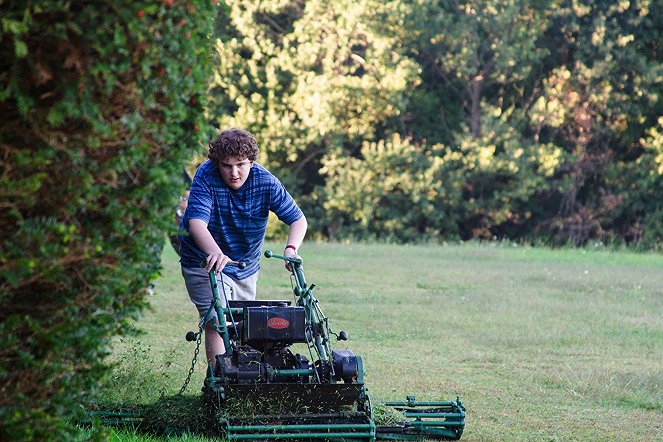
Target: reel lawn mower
[262, 388]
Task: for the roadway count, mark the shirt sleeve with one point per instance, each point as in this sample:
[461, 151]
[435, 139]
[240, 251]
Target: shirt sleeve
[200, 199]
[283, 205]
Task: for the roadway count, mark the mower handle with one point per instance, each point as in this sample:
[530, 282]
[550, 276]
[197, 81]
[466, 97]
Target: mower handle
[296, 269]
[239, 264]
[270, 254]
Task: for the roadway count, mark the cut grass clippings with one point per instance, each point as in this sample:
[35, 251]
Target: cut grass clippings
[168, 416]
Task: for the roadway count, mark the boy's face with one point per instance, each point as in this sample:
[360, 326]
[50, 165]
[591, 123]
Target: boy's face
[235, 171]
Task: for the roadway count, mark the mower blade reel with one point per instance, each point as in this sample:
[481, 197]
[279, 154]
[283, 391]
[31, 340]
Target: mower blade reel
[294, 411]
[344, 426]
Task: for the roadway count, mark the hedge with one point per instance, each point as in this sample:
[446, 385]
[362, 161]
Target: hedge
[101, 102]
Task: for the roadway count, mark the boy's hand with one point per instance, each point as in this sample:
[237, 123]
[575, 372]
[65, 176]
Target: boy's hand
[216, 261]
[289, 252]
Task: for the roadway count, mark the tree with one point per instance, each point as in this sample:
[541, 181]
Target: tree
[596, 104]
[309, 78]
[479, 59]
[481, 50]
[394, 191]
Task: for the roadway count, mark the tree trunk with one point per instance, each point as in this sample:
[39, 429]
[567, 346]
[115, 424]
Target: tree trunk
[475, 105]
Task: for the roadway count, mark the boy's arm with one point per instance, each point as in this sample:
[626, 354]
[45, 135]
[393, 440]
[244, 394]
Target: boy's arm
[205, 241]
[296, 237]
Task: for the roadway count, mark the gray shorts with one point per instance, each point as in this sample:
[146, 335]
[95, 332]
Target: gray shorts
[200, 291]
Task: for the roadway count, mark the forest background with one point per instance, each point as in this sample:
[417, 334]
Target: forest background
[407, 121]
[415, 120]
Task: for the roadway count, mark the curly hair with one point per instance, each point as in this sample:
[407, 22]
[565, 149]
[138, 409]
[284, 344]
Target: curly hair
[235, 143]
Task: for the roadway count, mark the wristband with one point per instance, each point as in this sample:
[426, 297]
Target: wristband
[290, 246]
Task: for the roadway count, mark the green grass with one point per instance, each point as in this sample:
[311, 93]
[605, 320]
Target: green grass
[543, 345]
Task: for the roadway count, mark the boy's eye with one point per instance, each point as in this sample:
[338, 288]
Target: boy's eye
[243, 165]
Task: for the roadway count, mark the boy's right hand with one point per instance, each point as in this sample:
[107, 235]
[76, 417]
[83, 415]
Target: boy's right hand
[216, 261]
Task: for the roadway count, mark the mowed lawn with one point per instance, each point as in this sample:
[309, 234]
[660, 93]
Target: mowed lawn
[549, 345]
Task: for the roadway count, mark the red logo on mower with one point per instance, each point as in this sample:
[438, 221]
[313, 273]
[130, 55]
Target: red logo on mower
[278, 323]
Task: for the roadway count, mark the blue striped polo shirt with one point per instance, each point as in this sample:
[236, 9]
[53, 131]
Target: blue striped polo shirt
[237, 219]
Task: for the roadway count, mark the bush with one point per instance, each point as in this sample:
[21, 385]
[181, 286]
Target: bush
[101, 104]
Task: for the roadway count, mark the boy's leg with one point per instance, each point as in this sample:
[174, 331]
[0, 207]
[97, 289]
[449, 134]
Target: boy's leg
[200, 292]
[213, 342]
[245, 289]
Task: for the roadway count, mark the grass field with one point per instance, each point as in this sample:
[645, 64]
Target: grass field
[541, 345]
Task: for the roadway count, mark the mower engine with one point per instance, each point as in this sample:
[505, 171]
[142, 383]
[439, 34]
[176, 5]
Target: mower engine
[263, 352]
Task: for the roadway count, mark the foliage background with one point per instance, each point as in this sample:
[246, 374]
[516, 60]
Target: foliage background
[413, 120]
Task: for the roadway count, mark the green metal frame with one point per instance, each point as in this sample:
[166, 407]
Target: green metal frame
[319, 346]
[432, 420]
[221, 328]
